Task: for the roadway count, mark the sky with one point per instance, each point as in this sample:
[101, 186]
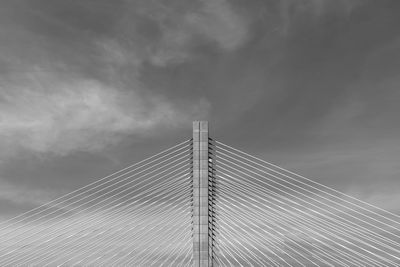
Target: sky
[88, 87]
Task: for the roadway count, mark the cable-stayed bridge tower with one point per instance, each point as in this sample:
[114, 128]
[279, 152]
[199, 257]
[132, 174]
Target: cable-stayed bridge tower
[202, 196]
[202, 203]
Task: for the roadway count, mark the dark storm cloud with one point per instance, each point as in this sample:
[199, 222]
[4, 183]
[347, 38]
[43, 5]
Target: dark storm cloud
[307, 83]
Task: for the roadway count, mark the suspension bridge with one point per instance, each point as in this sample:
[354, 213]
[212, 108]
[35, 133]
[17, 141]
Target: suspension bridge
[202, 203]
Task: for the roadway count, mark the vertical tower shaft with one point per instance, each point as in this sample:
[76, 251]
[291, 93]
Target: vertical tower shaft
[201, 251]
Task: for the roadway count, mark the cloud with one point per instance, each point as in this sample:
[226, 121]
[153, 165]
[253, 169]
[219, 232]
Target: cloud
[63, 99]
[169, 34]
[220, 23]
[45, 113]
[215, 22]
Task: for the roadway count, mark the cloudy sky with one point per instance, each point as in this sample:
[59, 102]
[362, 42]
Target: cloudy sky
[88, 87]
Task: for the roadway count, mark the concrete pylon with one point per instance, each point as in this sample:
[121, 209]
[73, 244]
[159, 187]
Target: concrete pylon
[202, 197]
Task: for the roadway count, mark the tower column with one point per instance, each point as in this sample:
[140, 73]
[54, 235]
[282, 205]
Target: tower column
[201, 251]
